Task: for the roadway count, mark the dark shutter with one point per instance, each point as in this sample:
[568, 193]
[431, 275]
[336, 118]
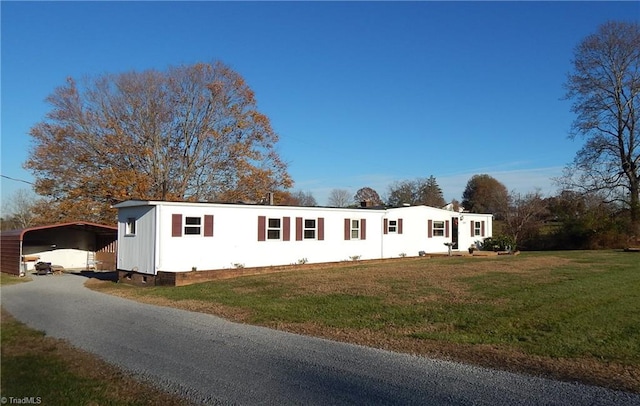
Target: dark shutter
[208, 225]
[262, 226]
[399, 226]
[298, 228]
[176, 225]
[321, 228]
[286, 229]
[385, 226]
[363, 229]
[347, 229]
[430, 228]
[473, 228]
[482, 229]
[446, 228]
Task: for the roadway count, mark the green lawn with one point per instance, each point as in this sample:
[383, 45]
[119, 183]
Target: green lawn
[6, 279]
[582, 307]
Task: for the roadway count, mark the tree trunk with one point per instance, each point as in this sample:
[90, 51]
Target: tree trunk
[635, 212]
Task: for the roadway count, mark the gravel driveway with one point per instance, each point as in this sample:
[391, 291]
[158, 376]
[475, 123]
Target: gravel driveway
[213, 361]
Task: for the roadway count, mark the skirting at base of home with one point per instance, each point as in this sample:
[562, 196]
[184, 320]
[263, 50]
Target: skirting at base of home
[190, 278]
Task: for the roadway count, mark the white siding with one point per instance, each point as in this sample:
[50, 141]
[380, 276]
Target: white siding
[236, 242]
[466, 236]
[235, 238]
[137, 252]
[415, 232]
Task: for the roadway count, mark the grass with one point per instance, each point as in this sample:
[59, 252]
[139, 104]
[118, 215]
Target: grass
[48, 371]
[566, 315]
[6, 279]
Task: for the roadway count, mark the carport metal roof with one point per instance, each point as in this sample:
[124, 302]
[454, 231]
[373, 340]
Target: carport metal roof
[11, 241]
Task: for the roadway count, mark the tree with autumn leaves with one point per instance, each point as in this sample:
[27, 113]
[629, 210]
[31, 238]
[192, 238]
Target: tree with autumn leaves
[188, 133]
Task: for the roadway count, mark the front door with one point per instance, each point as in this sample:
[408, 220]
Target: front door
[454, 233]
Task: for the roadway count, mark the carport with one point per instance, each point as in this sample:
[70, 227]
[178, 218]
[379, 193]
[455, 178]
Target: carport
[74, 246]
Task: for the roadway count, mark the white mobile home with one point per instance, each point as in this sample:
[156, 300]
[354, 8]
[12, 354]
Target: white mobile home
[159, 236]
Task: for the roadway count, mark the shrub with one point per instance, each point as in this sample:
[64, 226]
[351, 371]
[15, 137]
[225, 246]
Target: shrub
[498, 243]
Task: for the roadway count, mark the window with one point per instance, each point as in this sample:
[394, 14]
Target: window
[273, 229]
[309, 229]
[477, 228]
[393, 226]
[438, 228]
[355, 229]
[192, 225]
[131, 226]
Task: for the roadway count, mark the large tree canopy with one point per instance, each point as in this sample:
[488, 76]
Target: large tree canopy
[187, 133]
[368, 195]
[485, 194]
[605, 87]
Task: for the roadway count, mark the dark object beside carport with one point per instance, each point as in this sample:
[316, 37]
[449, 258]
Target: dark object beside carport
[43, 268]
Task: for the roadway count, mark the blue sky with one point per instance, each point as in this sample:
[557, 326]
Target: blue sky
[360, 93]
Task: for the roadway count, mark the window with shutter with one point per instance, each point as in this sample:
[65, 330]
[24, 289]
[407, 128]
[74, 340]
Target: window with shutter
[274, 229]
[438, 228]
[309, 229]
[355, 229]
[393, 226]
[192, 225]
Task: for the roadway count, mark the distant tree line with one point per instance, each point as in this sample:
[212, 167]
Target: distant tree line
[529, 221]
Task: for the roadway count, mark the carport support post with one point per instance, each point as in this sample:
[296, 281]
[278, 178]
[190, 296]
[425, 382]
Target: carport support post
[21, 263]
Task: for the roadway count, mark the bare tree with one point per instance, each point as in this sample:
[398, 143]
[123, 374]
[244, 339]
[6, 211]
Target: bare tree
[187, 133]
[339, 198]
[525, 215]
[305, 199]
[605, 87]
[18, 210]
